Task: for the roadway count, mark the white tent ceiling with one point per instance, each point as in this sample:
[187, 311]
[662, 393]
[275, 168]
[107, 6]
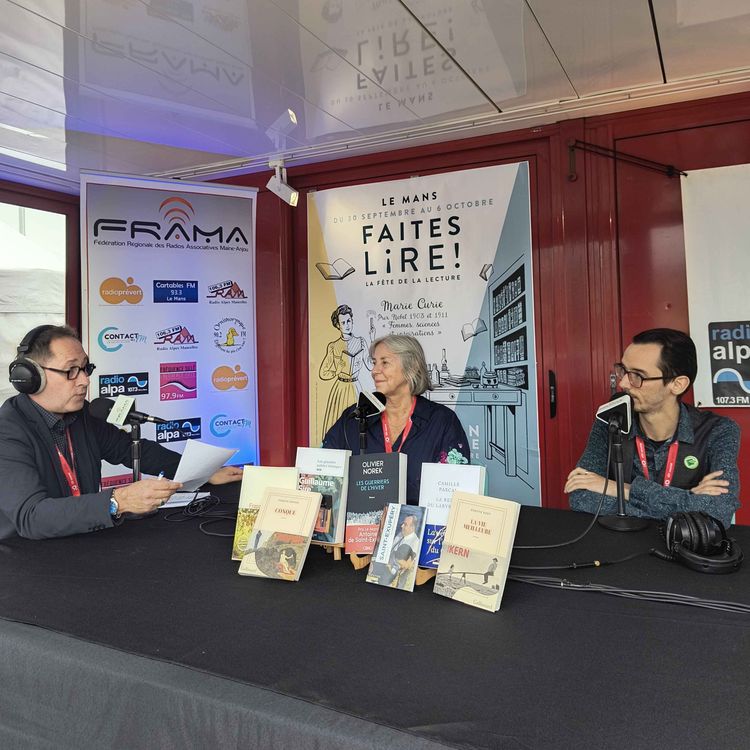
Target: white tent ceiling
[193, 88]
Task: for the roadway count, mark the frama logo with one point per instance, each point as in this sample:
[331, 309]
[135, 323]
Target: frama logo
[225, 378]
[177, 335]
[178, 224]
[114, 291]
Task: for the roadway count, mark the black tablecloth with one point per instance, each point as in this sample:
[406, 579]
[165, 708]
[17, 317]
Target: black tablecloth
[551, 669]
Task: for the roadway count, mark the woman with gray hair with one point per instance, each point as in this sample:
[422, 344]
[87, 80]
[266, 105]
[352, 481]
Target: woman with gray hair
[425, 430]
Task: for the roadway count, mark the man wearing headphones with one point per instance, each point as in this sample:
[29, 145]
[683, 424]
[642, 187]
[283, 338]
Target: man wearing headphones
[676, 458]
[51, 448]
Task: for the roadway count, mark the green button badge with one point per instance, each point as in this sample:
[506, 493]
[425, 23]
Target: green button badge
[691, 462]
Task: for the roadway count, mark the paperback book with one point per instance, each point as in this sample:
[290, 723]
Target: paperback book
[255, 480]
[439, 481]
[325, 470]
[394, 562]
[282, 534]
[476, 550]
[375, 479]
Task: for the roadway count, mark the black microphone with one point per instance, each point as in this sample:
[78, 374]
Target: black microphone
[102, 406]
[617, 413]
[370, 404]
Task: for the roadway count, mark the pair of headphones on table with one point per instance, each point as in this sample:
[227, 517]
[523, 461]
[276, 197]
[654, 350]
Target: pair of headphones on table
[700, 542]
[25, 375]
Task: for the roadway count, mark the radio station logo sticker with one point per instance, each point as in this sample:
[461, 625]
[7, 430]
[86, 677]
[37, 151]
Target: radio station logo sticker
[230, 335]
[729, 346]
[225, 291]
[177, 381]
[178, 429]
[225, 378]
[175, 291]
[114, 291]
[112, 339]
[222, 425]
[174, 337]
[124, 384]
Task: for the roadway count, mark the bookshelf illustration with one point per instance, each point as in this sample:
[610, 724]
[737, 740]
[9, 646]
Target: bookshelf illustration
[509, 328]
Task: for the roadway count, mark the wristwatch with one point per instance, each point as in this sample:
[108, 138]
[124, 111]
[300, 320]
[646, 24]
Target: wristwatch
[114, 508]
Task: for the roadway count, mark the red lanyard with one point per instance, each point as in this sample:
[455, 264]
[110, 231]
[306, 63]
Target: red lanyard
[404, 434]
[671, 460]
[69, 472]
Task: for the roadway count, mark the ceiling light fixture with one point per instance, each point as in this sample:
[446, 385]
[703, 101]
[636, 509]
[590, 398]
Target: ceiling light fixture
[278, 184]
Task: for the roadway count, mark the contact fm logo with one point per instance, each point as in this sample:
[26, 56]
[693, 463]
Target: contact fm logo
[111, 339]
[225, 378]
[114, 291]
[222, 425]
[178, 222]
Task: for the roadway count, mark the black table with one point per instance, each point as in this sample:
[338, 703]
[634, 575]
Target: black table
[145, 636]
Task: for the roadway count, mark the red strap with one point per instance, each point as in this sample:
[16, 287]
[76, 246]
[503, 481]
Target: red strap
[69, 472]
[671, 460]
[404, 434]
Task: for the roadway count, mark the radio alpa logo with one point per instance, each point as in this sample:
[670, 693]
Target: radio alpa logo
[124, 384]
[178, 429]
[177, 228]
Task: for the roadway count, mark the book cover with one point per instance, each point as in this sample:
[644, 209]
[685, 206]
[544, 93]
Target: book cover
[325, 470]
[438, 483]
[394, 562]
[477, 549]
[375, 479]
[255, 480]
[282, 533]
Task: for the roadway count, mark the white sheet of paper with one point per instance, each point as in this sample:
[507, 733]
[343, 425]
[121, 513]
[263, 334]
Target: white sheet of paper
[199, 462]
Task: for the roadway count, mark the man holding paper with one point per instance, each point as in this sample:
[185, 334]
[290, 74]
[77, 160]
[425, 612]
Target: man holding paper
[51, 448]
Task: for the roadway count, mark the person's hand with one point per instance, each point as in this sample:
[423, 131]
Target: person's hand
[226, 474]
[711, 485]
[145, 496]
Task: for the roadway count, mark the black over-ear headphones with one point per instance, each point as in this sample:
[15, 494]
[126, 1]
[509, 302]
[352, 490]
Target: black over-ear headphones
[25, 375]
[700, 541]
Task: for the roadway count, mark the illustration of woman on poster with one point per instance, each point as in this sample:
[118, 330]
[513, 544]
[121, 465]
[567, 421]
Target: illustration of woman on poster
[342, 363]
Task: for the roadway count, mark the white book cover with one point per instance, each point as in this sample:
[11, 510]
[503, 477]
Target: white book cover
[281, 536]
[255, 480]
[439, 482]
[326, 470]
[476, 550]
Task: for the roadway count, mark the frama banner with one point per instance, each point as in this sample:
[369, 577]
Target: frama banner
[445, 258]
[168, 294]
[717, 225]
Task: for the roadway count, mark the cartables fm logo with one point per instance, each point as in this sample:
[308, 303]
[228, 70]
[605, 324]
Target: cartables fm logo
[114, 291]
[225, 378]
[112, 339]
[124, 384]
[230, 335]
[175, 337]
[176, 228]
[177, 381]
[166, 290]
[225, 292]
[222, 425]
[178, 429]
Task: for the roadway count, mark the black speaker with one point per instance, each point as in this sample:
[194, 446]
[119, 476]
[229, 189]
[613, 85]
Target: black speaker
[25, 375]
[700, 542]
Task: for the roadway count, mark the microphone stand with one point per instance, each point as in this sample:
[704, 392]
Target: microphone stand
[362, 431]
[621, 521]
[135, 455]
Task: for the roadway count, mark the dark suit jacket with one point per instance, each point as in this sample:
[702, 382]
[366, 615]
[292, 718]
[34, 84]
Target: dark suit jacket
[35, 500]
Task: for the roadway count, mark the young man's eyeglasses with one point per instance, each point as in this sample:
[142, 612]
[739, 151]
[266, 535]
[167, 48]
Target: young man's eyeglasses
[634, 378]
[73, 372]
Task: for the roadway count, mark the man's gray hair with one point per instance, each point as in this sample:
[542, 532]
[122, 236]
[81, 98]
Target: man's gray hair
[411, 355]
